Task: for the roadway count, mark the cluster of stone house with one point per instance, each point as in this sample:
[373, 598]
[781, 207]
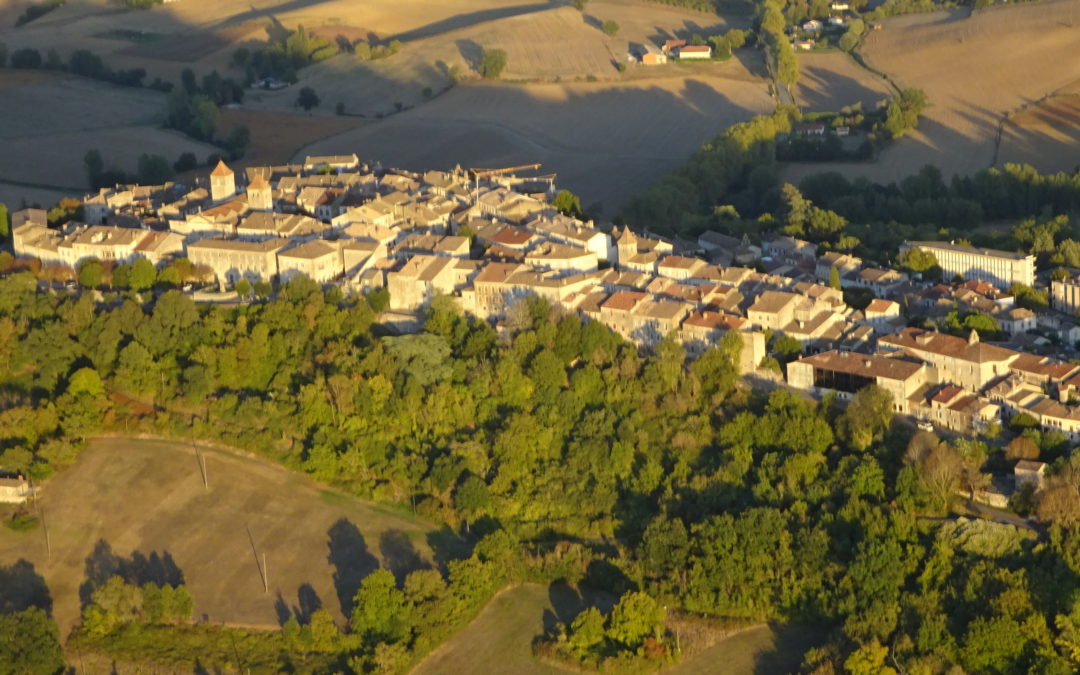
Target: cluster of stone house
[488, 243]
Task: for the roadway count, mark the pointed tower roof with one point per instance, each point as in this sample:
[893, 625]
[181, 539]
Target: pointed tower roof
[221, 169]
[626, 235]
[973, 337]
[258, 183]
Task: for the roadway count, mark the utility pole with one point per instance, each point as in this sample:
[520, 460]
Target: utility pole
[266, 575]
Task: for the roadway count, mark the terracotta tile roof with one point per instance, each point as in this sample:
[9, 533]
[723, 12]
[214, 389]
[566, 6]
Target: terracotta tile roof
[1039, 365]
[512, 236]
[221, 170]
[715, 320]
[880, 306]
[866, 365]
[947, 345]
[947, 393]
[623, 301]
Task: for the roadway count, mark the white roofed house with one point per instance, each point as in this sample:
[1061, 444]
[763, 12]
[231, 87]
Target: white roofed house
[119, 244]
[882, 314]
[680, 268]
[374, 212]
[14, 490]
[773, 310]
[881, 282]
[318, 260]
[232, 260]
[419, 279]
[560, 258]
[338, 163]
[573, 232]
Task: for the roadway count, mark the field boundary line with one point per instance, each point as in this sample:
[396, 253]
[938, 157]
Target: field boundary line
[1008, 116]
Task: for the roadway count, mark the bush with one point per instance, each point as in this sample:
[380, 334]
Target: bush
[26, 58]
[21, 522]
[610, 28]
[492, 63]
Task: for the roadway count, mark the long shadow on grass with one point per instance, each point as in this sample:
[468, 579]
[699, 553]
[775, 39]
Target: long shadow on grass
[790, 642]
[21, 587]
[349, 556]
[138, 569]
[399, 555]
[307, 603]
[567, 602]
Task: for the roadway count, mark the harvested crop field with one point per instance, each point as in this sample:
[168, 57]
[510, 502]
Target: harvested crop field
[277, 136]
[832, 80]
[606, 141]
[760, 649]
[138, 507]
[1046, 135]
[974, 71]
[48, 126]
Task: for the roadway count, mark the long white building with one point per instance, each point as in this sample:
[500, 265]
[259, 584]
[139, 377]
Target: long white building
[1000, 268]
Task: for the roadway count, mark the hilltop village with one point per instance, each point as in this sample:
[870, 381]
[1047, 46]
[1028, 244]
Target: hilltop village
[487, 240]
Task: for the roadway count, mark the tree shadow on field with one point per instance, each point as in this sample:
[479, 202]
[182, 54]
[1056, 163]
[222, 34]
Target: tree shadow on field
[349, 556]
[399, 555]
[138, 569]
[789, 644]
[472, 52]
[567, 602]
[592, 21]
[21, 587]
[307, 603]
[447, 545]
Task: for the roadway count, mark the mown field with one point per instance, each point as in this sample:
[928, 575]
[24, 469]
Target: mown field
[139, 507]
[1046, 135]
[975, 71]
[605, 140]
[831, 80]
[500, 639]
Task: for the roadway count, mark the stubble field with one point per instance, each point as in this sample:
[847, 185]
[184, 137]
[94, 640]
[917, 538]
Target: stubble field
[48, 124]
[138, 507]
[975, 71]
[1046, 135]
[831, 80]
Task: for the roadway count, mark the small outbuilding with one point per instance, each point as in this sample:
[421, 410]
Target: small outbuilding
[14, 490]
[1029, 471]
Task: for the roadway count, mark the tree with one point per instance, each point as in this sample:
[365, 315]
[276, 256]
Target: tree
[238, 140]
[587, 630]
[29, 644]
[579, 5]
[787, 348]
[143, 275]
[721, 47]
[307, 98]
[736, 38]
[610, 28]
[869, 659]
[86, 382]
[492, 63]
[90, 273]
[154, 170]
[567, 203]
[26, 58]
[5, 222]
[834, 278]
[472, 498]
[867, 417]
[636, 617]
[186, 162]
[242, 287]
[94, 164]
[380, 613]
